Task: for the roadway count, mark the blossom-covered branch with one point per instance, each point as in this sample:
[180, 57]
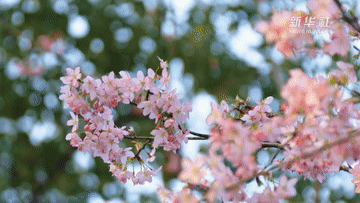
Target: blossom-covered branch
[315, 129]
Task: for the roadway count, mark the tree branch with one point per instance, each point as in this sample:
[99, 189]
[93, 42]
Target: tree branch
[345, 168]
[354, 100]
[352, 21]
[351, 135]
[152, 138]
[273, 145]
[143, 147]
[205, 136]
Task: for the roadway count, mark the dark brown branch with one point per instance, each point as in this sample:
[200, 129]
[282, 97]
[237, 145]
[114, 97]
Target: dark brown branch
[351, 20]
[133, 103]
[205, 136]
[263, 145]
[270, 144]
[273, 157]
[345, 168]
[138, 138]
[152, 138]
[143, 147]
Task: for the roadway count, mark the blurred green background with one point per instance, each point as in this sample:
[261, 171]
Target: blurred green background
[214, 54]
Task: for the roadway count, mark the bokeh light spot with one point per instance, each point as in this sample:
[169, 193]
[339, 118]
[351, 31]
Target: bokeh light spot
[125, 10]
[39, 84]
[24, 44]
[6, 4]
[78, 26]
[147, 44]
[30, 6]
[83, 162]
[88, 68]
[35, 99]
[123, 34]
[12, 71]
[17, 18]
[97, 45]
[61, 6]
[51, 101]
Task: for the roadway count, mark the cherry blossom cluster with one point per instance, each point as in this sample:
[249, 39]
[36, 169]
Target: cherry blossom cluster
[284, 189]
[227, 185]
[235, 141]
[277, 31]
[326, 119]
[315, 131]
[291, 40]
[315, 119]
[94, 100]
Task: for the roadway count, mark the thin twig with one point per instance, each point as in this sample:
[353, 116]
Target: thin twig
[273, 157]
[205, 136]
[280, 148]
[143, 147]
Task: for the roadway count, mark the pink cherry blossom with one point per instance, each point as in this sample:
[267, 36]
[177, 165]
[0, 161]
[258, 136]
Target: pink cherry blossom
[102, 150]
[348, 72]
[192, 172]
[67, 95]
[146, 175]
[324, 8]
[125, 154]
[356, 171]
[74, 121]
[286, 188]
[74, 138]
[161, 137]
[151, 155]
[108, 82]
[302, 92]
[90, 86]
[338, 45]
[120, 133]
[121, 175]
[165, 80]
[163, 64]
[149, 108]
[186, 196]
[264, 105]
[215, 115]
[73, 75]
